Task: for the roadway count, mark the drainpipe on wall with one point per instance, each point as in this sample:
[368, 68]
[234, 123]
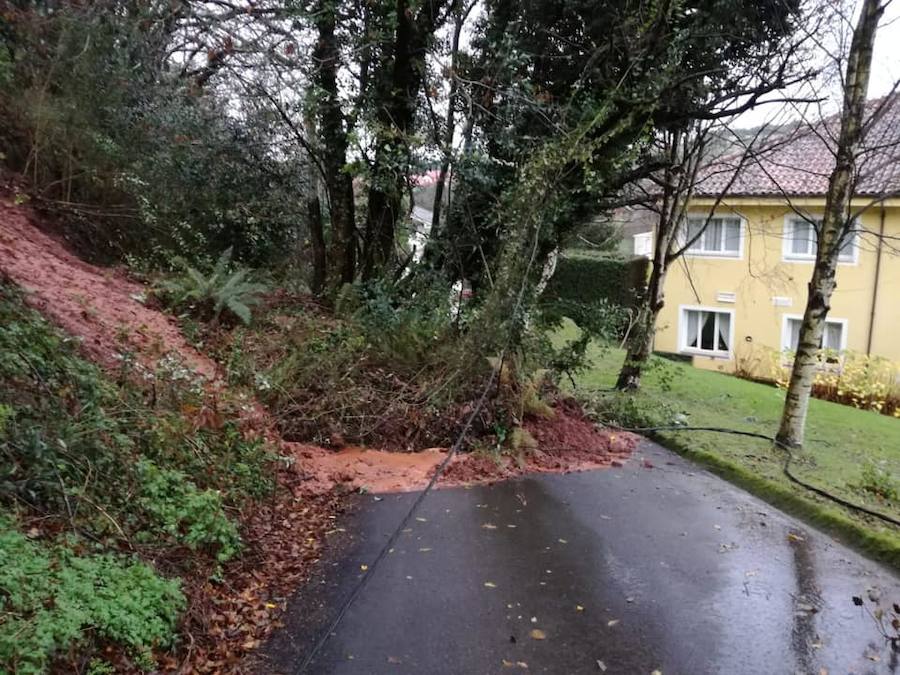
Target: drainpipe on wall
[878, 249]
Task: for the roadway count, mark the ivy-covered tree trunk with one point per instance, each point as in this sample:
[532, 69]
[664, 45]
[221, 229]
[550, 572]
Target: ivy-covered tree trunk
[317, 242]
[398, 82]
[835, 226]
[338, 183]
[640, 341]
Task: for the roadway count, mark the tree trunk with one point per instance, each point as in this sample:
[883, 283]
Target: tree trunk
[835, 225]
[640, 341]
[677, 188]
[338, 183]
[317, 243]
[399, 80]
[381, 220]
[449, 124]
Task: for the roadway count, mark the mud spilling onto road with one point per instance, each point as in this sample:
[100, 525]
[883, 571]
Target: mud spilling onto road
[565, 443]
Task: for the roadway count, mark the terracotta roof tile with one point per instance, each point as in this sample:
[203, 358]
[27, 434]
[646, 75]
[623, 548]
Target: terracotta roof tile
[799, 162]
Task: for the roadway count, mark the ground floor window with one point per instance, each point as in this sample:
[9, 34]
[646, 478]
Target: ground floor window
[833, 339]
[706, 331]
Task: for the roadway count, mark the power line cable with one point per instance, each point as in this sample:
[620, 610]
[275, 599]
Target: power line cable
[785, 467]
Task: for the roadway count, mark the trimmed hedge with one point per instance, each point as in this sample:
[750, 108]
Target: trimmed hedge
[584, 280]
[586, 277]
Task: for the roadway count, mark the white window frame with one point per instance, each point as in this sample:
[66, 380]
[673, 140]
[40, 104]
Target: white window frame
[786, 333]
[643, 240]
[728, 255]
[682, 332]
[788, 254]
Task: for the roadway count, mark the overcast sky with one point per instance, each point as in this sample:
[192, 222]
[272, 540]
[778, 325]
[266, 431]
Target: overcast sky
[886, 67]
[885, 72]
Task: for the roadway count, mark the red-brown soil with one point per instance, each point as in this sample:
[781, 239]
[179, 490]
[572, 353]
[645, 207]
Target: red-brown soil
[227, 621]
[97, 305]
[565, 443]
[366, 469]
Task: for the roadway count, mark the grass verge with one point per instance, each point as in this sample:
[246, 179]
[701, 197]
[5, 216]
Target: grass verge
[851, 453]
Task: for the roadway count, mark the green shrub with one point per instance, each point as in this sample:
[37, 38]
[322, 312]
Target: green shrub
[225, 289]
[189, 515]
[585, 284]
[402, 323]
[375, 374]
[112, 461]
[624, 409]
[150, 168]
[56, 409]
[52, 599]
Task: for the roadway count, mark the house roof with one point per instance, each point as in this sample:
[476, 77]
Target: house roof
[799, 161]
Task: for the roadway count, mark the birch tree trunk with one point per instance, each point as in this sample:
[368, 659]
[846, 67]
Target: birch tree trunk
[835, 225]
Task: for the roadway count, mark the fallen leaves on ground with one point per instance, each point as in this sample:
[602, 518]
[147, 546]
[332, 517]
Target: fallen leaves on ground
[537, 634]
[228, 620]
[515, 664]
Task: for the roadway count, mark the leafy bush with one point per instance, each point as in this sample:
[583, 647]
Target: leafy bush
[57, 422]
[585, 284]
[52, 599]
[207, 296]
[403, 324]
[860, 380]
[80, 453]
[140, 164]
[374, 372]
[192, 517]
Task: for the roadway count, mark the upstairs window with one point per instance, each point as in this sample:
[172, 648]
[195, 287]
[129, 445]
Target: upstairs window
[722, 236]
[801, 238]
[706, 332]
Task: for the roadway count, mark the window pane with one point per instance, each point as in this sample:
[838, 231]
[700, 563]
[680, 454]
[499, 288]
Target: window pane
[693, 227]
[832, 337]
[724, 340]
[847, 247]
[708, 331]
[793, 334]
[803, 238]
[712, 238]
[732, 235]
[693, 323]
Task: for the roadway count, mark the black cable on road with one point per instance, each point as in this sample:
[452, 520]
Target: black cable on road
[314, 652]
[785, 467]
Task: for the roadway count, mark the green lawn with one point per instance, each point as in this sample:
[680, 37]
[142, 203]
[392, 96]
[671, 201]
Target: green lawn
[840, 441]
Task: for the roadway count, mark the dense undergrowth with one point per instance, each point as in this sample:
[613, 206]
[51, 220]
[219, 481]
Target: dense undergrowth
[110, 490]
[390, 365]
[377, 370]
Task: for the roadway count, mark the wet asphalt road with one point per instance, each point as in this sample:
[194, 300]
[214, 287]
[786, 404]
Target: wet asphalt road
[630, 570]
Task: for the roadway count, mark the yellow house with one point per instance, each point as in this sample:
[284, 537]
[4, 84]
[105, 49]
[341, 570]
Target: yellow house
[734, 301]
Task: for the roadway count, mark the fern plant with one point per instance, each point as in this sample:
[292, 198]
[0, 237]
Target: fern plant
[224, 290]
